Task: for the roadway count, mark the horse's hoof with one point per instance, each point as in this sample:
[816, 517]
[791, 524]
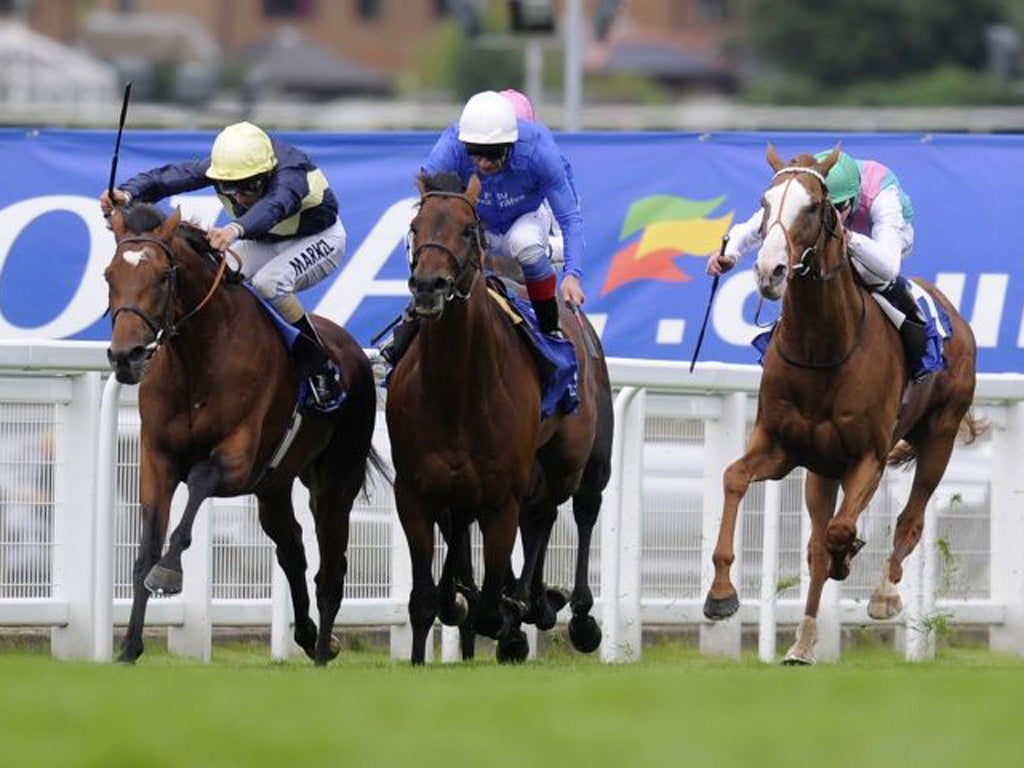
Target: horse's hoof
[457, 613]
[123, 658]
[557, 598]
[882, 607]
[796, 659]
[163, 581]
[584, 633]
[717, 609]
[513, 649]
[321, 658]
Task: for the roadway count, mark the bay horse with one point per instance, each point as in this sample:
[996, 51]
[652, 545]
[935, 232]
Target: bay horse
[216, 399]
[469, 445]
[830, 398]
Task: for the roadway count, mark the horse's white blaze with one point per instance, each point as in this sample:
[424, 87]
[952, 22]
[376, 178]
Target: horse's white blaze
[783, 202]
[134, 257]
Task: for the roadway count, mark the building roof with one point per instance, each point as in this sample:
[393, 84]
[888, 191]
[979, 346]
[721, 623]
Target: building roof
[36, 69]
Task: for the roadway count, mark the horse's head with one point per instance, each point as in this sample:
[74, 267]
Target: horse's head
[799, 222]
[142, 282]
[445, 243]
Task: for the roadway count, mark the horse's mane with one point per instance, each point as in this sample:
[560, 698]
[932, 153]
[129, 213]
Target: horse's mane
[141, 218]
[445, 181]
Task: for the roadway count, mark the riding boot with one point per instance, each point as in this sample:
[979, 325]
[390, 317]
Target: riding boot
[401, 337]
[315, 365]
[547, 316]
[913, 332]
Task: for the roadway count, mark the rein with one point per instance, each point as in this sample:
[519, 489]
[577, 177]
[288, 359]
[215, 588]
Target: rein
[168, 329]
[461, 267]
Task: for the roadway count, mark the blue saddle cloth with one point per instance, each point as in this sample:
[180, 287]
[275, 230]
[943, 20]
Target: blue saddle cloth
[291, 334]
[556, 358]
[937, 326]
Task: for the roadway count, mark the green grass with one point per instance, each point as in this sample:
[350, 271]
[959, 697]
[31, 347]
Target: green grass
[673, 708]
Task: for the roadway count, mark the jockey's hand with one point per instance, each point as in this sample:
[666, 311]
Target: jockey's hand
[572, 291]
[221, 238]
[720, 263]
[121, 198]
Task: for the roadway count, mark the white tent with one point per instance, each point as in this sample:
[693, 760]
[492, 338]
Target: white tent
[36, 70]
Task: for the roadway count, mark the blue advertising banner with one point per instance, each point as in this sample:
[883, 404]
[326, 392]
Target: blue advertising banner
[655, 205]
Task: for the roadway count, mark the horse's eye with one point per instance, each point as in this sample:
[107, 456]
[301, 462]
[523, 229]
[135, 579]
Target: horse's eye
[469, 231]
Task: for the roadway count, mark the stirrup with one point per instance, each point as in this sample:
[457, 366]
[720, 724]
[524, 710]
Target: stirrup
[324, 389]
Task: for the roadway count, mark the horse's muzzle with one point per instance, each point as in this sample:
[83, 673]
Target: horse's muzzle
[129, 365]
[429, 296]
[772, 284]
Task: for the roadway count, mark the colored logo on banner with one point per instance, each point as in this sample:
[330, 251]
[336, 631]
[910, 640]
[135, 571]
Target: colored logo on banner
[669, 227]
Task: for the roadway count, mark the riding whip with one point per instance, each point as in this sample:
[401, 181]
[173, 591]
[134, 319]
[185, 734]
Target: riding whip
[117, 143]
[707, 310]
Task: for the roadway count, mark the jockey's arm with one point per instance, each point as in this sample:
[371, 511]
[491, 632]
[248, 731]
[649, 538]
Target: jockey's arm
[156, 184]
[882, 252]
[744, 236]
[445, 154]
[566, 208]
[283, 199]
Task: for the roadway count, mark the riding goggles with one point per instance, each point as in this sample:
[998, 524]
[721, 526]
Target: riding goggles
[495, 153]
[250, 186]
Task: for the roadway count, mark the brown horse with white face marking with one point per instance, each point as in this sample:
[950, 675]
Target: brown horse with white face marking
[469, 444]
[830, 398]
[216, 397]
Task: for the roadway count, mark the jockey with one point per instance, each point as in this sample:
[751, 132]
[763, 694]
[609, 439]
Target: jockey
[284, 226]
[877, 215]
[519, 167]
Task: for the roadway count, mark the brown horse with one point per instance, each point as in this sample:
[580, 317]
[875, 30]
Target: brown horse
[216, 400]
[830, 398]
[469, 444]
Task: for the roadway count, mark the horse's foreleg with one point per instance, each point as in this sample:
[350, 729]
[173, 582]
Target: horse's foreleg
[497, 612]
[859, 485]
[453, 608]
[763, 460]
[933, 452]
[277, 518]
[419, 533]
[156, 486]
[820, 494]
[165, 577]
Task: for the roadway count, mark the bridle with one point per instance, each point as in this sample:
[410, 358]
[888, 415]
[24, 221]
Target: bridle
[166, 328]
[461, 265]
[806, 265]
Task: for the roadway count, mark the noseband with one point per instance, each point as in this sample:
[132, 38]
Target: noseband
[167, 328]
[806, 265]
[460, 266]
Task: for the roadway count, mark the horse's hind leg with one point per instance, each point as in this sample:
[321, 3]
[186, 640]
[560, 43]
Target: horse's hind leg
[165, 577]
[277, 518]
[933, 452]
[497, 613]
[820, 495]
[584, 631]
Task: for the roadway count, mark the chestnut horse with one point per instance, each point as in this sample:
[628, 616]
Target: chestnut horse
[830, 398]
[216, 399]
[468, 442]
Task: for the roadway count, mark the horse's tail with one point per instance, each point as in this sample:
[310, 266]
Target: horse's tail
[376, 468]
[970, 429]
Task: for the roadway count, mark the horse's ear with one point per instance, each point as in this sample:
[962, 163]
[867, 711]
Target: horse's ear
[421, 182]
[774, 160]
[170, 226]
[831, 159]
[473, 189]
[117, 224]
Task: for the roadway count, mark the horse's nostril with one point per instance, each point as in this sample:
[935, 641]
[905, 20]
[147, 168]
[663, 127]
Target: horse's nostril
[442, 283]
[137, 353]
[779, 272]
